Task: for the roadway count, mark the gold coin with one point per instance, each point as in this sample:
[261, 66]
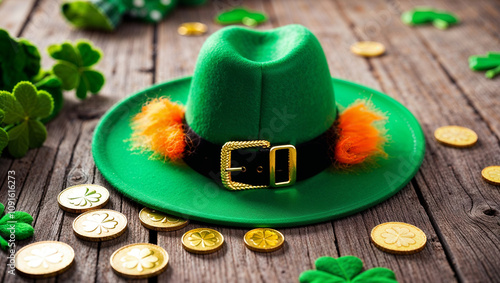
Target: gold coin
[398, 238]
[264, 240]
[44, 259]
[100, 225]
[491, 174]
[158, 221]
[368, 48]
[455, 136]
[81, 198]
[138, 261]
[192, 28]
[202, 241]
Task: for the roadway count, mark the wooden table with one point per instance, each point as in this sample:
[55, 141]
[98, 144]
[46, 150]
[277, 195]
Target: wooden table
[426, 69]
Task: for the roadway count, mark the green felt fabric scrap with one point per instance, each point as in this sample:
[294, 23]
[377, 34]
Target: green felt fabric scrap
[23, 110]
[74, 67]
[344, 270]
[107, 14]
[424, 15]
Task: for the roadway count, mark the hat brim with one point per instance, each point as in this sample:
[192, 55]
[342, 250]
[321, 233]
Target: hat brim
[178, 190]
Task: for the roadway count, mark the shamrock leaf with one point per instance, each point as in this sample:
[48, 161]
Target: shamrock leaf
[424, 15]
[74, 67]
[4, 140]
[490, 61]
[17, 223]
[52, 85]
[344, 270]
[241, 16]
[19, 61]
[23, 109]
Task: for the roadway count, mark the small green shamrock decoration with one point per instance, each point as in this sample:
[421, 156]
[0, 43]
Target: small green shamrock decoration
[17, 223]
[241, 15]
[74, 67]
[4, 137]
[23, 110]
[425, 15]
[490, 62]
[346, 269]
[107, 14]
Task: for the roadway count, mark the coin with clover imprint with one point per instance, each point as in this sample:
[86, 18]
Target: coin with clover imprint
[44, 259]
[138, 261]
[491, 174]
[264, 240]
[100, 225]
[398, 238]
[158, 221]
[202, 240]
[81, 198]
[455, 136]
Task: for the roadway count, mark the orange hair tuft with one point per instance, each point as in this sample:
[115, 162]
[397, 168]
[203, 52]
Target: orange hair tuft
[358, 138]
[159, 128]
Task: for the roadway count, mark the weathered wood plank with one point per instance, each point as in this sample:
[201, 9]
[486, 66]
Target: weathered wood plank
[14, 14]
[352, 233]
[234, 262]
[457, 200]
[127, 59]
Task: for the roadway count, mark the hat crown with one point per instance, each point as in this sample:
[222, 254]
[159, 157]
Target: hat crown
[273, 85]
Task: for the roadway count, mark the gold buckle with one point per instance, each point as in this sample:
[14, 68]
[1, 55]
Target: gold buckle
[226, 169]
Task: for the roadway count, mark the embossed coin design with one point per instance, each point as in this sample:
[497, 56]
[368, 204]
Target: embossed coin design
[491, 174]
[44, 259]
[100, 225]
[264, 240]
[368, 48]
[455, 136]
[398, 238]
[81, 198]
[202, 241]
[158, 221]
[192, 28]
[139, 261]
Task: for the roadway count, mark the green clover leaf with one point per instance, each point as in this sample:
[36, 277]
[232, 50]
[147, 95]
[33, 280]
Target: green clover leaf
[17, 223]
[345, 269]
[424, 15]
[19, 61]
[53, 85]
[74, 67]
[241, 16]
[489, 62]
[23, 110]
[4, 141]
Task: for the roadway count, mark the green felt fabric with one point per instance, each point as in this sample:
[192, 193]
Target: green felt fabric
[251, 85]
[179, 190]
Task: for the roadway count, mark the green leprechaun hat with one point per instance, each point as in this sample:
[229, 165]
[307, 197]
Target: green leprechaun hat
[260, 135]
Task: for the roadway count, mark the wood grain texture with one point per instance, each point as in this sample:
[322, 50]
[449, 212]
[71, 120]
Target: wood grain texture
[424, 68]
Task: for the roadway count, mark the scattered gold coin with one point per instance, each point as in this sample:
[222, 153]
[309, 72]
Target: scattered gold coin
[158, 221]
[264, 240]
[192, 28]
[100, 225]
[455, 136]
[368, 48]
[81, 198]
[491, 174]
[139, 261]
[44, 259]
[398, 238]
[202, 241]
